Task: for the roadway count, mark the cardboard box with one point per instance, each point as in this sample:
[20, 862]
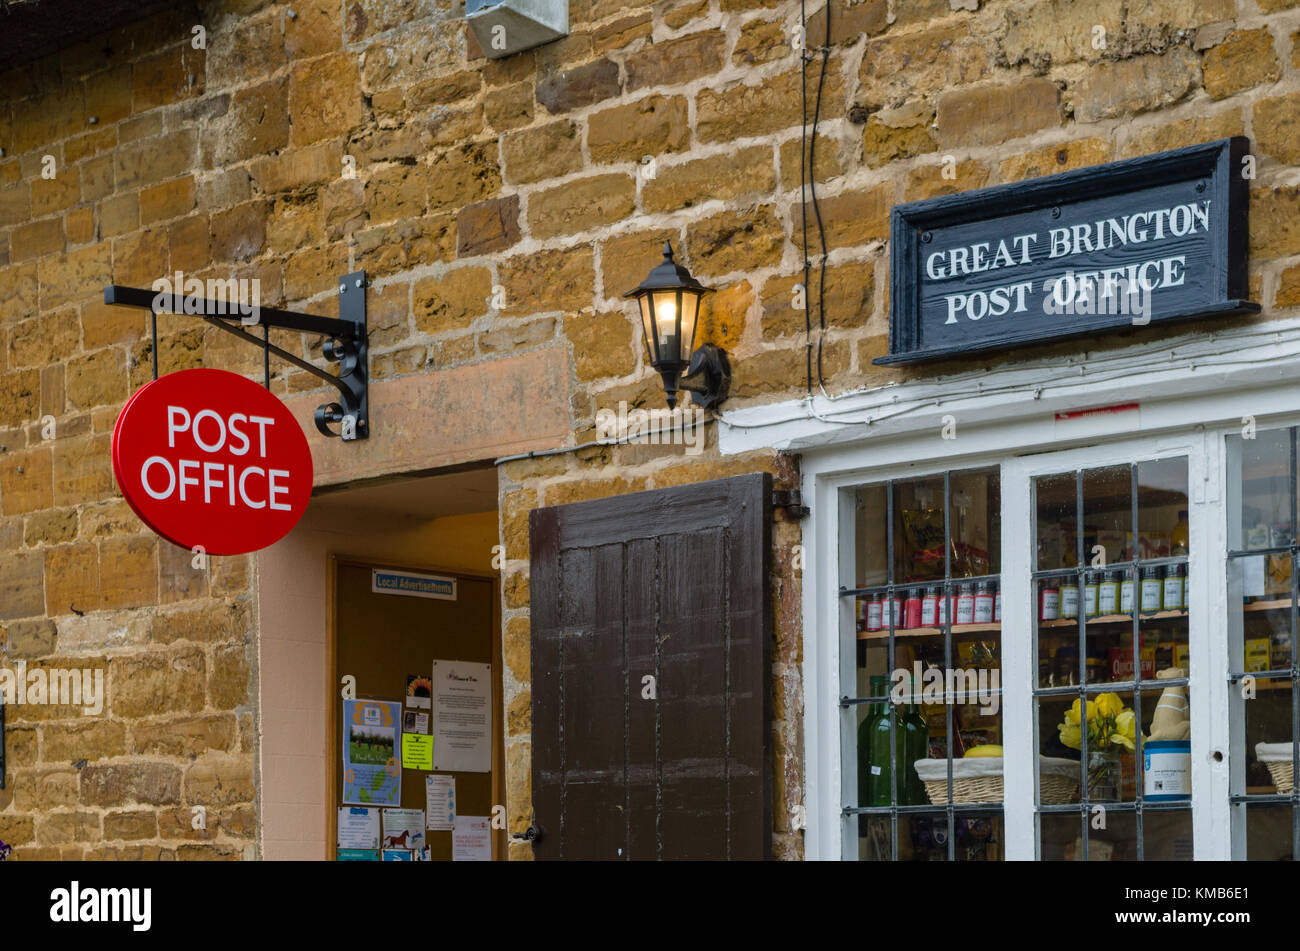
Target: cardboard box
[1121, 663]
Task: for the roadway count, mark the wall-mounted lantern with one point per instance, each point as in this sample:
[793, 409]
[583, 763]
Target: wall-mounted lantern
[669, 299]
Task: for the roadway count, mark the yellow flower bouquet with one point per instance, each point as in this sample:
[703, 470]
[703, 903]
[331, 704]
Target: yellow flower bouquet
[1110, 723]
[1111, 729]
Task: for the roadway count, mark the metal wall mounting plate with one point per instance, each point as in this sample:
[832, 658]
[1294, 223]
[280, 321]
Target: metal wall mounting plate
[345, 343]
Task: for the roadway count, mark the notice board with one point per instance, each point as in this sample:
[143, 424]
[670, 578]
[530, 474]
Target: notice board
[383, 639]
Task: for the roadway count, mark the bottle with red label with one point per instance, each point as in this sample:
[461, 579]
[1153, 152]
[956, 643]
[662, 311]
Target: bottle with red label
[930, 607]
[964, 611]
[875, 608]
[912, 609]
[983, 605]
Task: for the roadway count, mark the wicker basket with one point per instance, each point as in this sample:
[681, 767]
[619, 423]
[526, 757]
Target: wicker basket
[1277, 757]
[980, 780]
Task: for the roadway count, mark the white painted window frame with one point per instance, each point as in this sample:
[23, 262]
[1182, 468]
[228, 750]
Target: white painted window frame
[1217, 830]
[1192, 392]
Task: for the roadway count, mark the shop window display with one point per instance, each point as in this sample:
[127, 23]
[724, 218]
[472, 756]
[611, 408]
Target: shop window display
[1262, 586]
[925, 699]
[1111, 635]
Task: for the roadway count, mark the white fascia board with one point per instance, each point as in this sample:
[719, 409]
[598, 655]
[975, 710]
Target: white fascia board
[1213, 377]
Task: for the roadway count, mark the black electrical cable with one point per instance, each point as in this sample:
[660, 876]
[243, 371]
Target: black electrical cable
[821, 229]
[803, 179]
[153, 336]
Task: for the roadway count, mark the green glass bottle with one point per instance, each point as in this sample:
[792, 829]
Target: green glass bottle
[916, 744]
[879, 772]
[864, 758]
[870, 770]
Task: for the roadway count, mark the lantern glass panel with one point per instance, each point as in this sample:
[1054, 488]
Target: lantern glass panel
[667, 327]
[690, 311]
[648, 328]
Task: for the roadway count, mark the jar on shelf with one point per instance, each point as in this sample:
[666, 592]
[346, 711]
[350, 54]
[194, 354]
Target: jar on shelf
[1173, 588]
[983, 607]
[1097, 663]
[964, 613]
[997, 602]
[1152, 589]
[1126, 592]
[930, 607]
[912, 609]
[875, 611]
[1108, 593]
[1070, 597]
[1049, 599]
[1090, 589]
[1065, 667]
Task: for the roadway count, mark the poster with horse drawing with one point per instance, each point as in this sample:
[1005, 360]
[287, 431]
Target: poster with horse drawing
[403, 828]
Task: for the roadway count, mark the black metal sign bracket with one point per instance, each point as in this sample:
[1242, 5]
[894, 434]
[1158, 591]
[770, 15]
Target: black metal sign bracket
[345, 342]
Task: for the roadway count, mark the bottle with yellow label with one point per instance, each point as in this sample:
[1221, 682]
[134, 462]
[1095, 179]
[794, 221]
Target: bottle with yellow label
[1178, 537]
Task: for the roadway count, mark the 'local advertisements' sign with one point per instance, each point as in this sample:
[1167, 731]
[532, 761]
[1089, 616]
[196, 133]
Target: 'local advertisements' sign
[1120, 245]
[210, 460]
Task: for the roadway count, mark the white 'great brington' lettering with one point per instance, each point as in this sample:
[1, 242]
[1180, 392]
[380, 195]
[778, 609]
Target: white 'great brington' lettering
[1067, 289]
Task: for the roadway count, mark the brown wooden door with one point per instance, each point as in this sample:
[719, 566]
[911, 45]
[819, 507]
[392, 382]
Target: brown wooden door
[672, 585]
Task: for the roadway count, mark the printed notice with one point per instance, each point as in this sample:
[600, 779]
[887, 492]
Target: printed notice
[403, 828]
[440, 802]
[372, 772]
[471, 840]
[417, 691]
[358, 828]
[412, 585]
[417, 751]
[462, 717]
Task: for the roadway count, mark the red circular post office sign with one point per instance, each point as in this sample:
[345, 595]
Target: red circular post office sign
[209, 459]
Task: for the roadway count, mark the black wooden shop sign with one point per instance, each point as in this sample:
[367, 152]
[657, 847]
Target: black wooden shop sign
[1146, 240]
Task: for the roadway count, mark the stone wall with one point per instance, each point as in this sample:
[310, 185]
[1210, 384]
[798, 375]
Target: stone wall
[500, 207]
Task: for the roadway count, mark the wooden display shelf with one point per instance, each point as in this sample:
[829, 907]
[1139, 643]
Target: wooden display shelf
[1112, 619]
[1278, 605]
[957, 629]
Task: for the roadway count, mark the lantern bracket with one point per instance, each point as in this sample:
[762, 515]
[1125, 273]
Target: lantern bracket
[345, 343]
[709, 377]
